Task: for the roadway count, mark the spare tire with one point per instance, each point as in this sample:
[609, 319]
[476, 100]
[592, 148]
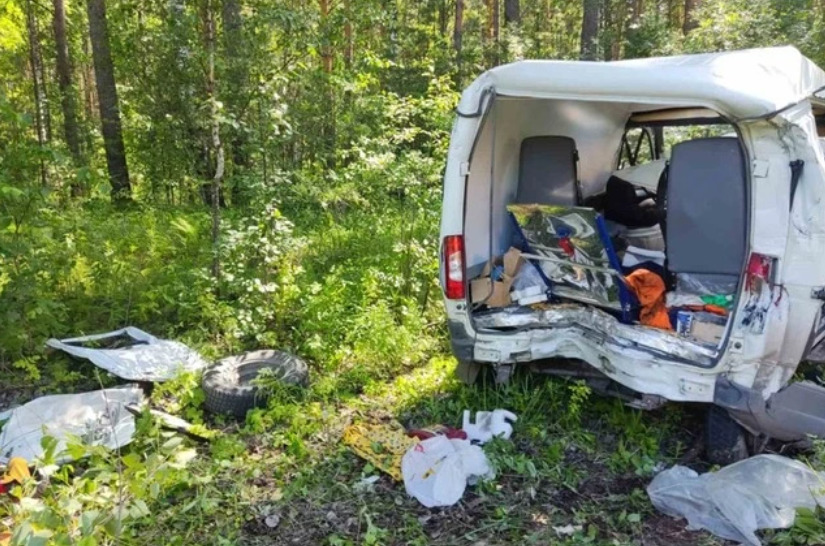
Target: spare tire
[227, 384]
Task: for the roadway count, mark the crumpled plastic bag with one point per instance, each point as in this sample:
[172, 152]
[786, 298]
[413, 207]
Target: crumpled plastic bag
[97, 418]
[436, 471]
[489, 424]
[145, 358]
[762, 492]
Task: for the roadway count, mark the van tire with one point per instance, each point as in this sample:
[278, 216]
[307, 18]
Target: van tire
[725, 441]
[227, 384]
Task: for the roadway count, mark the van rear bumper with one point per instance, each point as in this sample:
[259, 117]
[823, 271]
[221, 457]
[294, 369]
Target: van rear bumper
[668, 372]
[463, 343]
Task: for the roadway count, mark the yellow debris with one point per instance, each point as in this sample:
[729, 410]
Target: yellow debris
[17, 471]
[383, 445]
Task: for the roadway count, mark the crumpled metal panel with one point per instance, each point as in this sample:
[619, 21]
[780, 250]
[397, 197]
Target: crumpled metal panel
[146, 358]
[97, 418]
[599, 323]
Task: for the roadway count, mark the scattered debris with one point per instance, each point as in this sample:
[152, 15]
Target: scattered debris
[17, 471]
[272, 520]
[133, 354]
[436, 471]
[762, 492]
[567, 530]
[366, 484]
[437, 430]
[97, 418]
[489, 424]
[383, 445]
[170, 422]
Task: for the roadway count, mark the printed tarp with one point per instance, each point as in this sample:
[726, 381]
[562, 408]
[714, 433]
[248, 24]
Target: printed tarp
[142, 357]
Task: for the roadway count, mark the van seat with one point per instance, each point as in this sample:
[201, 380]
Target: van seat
[705, 207]
[548, 171]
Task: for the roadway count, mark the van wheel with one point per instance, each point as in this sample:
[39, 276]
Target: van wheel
[468, 371]
[724, 438]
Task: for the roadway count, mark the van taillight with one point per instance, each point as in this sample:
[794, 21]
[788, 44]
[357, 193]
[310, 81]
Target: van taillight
[760, 270]
[454, 267]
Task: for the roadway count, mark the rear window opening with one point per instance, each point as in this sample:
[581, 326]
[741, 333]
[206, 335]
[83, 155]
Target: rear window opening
[624, 218]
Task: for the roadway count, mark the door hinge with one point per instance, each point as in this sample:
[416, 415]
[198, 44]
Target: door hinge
[464, 168]
[818, 293]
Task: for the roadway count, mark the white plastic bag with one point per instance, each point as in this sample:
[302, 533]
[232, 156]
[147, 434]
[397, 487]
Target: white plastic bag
[761, 492]
[147, 358]
[437, 469]
[528, 277]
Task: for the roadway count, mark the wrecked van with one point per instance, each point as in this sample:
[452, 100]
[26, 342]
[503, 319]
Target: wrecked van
[654, 226]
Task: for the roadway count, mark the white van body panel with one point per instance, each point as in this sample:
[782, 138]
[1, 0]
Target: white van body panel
[764, 93]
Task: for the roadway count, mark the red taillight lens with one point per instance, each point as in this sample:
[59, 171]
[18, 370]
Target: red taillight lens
[760, 270]
[454, 267]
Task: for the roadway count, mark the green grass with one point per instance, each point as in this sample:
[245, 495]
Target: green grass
[354, 291]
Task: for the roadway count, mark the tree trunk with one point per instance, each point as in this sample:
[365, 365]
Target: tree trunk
[458, 33]
[47, 112]
[68, 103]
[326, 50]
[638, 11]
[108, 102]
[494, 32]
[348, 46]
[237, 96]
[217, 147]
[590, 30]
[35, 60]
[89, 93]
[689, 22]
[512, 12]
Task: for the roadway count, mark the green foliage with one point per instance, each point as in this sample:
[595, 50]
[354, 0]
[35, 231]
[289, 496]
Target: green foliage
[181, 396]
[328, 247]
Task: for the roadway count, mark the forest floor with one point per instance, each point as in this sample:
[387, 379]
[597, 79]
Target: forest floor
[355, 299]
[569, 475]
[574, 471]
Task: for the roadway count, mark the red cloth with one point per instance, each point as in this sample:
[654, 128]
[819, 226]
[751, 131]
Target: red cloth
[449, 432]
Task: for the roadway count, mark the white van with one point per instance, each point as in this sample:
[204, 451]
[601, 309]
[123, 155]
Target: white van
[655, 226]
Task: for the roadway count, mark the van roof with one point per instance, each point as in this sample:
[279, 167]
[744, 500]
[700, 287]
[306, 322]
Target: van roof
[749, 83]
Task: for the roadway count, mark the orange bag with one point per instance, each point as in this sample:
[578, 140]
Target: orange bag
[650, 291]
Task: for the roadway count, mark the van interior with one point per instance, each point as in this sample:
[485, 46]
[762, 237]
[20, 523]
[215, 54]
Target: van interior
[633, 211]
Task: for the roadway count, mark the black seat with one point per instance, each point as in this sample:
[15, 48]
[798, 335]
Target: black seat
[548, 171]
[705, 210]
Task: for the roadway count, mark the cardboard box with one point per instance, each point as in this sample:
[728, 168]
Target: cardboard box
[708, 328]
[498, 290]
